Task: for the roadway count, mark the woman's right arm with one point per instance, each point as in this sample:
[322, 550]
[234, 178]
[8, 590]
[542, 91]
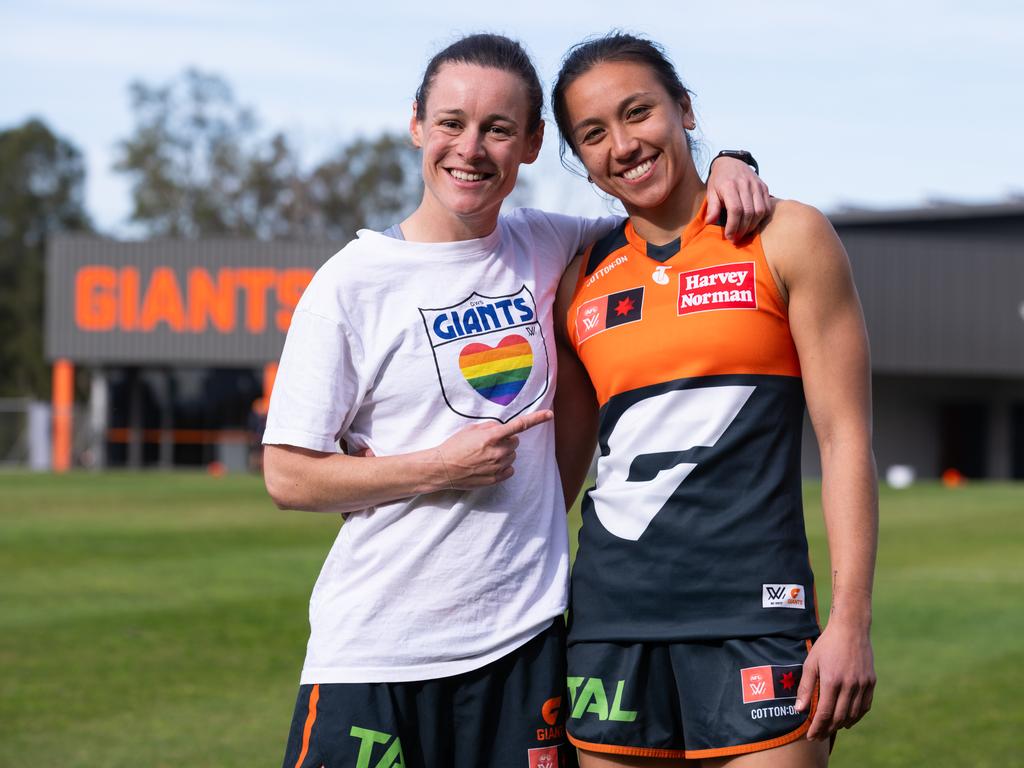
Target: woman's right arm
[476, 456]
[575, 403]
[320, 382]
[300, 478]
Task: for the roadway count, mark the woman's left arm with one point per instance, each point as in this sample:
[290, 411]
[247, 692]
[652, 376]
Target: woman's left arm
[828, 329]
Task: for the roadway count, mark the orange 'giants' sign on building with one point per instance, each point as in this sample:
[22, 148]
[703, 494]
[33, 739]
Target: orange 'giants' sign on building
[108, 299]
[212, 302]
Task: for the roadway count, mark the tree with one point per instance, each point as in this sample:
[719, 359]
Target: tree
[368, 183]
[41, 192]
[199, 166]
[188, 157]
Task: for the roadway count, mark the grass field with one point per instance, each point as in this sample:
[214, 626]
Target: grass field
[160, 620]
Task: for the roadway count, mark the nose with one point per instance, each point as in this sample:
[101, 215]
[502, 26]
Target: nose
[471, 145]
[624, 144]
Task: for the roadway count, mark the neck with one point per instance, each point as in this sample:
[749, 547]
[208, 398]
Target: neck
[430, 223]
[663, 223]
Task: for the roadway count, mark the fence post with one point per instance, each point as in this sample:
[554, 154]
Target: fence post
[63, 401]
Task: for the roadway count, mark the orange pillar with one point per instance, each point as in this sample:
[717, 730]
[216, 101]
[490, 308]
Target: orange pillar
[269, 374]
[63, 400]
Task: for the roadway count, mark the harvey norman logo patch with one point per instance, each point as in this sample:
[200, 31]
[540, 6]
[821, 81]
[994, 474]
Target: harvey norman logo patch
[782, 596]
[724, 286]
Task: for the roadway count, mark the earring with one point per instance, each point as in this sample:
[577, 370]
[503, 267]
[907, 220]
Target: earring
[590, 178]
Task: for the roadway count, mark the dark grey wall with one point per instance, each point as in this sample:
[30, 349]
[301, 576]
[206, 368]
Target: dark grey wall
[941, 297]
[907, 421]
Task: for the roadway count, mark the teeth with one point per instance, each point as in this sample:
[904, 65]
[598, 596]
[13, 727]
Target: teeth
[640, 170]
[463, 176]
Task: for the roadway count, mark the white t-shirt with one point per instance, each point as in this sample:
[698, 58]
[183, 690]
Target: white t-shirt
[396, 346]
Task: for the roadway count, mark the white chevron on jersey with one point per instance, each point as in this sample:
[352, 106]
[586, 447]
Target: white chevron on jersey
[681, 419]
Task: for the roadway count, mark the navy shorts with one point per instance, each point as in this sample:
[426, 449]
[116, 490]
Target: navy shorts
[690, 700]
[507, 714]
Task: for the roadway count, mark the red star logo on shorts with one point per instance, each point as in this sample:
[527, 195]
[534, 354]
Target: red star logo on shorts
[786, 680]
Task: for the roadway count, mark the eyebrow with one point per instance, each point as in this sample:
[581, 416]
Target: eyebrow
[621, 106]
[491, 118]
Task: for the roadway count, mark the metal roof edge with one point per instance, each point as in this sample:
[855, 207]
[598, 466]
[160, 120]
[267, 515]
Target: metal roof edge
[948, 211]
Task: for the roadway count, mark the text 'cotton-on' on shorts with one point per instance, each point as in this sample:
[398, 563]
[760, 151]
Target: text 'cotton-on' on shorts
[686, 700]
[507, 714]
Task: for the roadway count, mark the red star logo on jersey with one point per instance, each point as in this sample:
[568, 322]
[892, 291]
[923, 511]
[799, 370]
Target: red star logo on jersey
[624, 307]
[786, 680]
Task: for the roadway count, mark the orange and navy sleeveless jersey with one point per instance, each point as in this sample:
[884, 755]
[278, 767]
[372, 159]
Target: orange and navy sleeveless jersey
[695, 528]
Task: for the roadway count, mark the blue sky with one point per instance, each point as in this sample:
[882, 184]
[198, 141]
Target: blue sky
[870, 104]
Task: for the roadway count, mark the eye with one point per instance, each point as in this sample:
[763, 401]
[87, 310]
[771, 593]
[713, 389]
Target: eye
[499, 131]
[638, 112]
[592, 135]
[450, 125]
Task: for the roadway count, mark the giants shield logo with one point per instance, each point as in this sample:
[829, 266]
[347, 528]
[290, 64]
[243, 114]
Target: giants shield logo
[490, 353]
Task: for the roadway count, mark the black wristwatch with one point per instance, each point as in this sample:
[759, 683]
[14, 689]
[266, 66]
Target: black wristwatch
[738, 154]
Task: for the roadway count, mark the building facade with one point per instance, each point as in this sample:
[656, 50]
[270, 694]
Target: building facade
[943, 295]
[181, 338]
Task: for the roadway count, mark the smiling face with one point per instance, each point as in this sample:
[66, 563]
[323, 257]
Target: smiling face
[630, 134]
[474, 134]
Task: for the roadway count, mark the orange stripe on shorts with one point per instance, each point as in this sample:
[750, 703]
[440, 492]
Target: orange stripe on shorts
[314, 697]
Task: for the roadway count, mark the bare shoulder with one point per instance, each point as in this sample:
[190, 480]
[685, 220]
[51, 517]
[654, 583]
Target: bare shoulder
[799, 237]
[791, 219]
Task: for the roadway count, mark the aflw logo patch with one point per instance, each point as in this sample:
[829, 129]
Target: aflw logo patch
[724, 286]
[604, 312]
[545, 757]
[782, 596]
[770, 682]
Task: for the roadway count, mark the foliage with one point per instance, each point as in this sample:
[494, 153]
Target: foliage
[199, 167]
[367, 183]
[41, 192]
[188, 156]
[161, 620]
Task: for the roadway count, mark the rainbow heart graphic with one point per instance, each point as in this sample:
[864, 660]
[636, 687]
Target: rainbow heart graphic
[500, 372]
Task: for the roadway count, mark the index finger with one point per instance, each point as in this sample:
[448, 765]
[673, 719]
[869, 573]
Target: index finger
[714, 208]
[821, 723]
[525, 422]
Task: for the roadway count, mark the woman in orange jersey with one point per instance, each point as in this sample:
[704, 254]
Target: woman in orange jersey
[693, 636]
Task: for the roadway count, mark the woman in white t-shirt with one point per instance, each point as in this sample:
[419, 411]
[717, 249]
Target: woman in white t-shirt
[436, 632]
